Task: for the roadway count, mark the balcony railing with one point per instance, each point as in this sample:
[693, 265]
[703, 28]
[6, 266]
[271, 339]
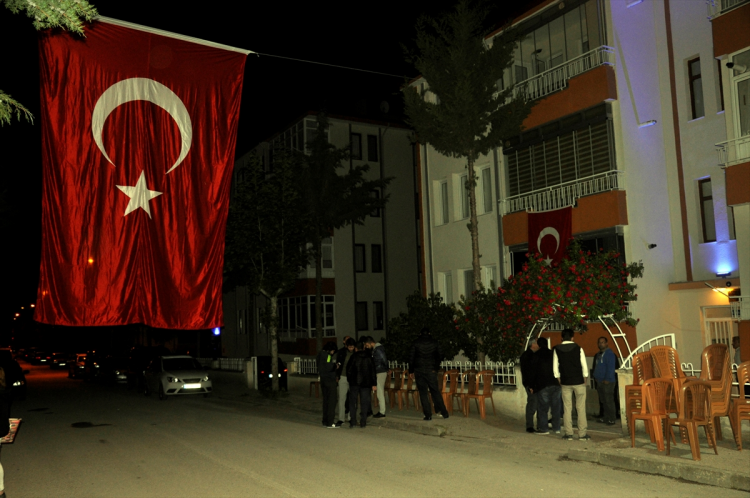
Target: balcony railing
[740, 309]
[556, 79]
[564, 194]
[734, 151]
[719, 7]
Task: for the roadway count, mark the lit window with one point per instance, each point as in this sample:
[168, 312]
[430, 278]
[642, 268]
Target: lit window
[696, 87]
[707, 210]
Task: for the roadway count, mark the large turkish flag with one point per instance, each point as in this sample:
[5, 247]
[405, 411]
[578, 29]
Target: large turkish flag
[139, 131]
[550, 232]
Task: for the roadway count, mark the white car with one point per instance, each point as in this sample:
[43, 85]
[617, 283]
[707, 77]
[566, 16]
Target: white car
[173, 375]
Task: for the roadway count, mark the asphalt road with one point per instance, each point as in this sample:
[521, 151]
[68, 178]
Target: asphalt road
[190, 446]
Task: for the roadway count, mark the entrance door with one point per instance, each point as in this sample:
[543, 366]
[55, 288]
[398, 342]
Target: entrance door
[719, 326]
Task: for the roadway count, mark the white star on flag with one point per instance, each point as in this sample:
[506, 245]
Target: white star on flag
[139, 195]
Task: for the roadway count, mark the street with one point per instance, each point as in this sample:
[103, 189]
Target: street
[87, 439]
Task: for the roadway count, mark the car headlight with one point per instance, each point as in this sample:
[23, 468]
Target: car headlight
[270, 376]
[206, 379]
[117, 372]
[173, 379]
[17, 383]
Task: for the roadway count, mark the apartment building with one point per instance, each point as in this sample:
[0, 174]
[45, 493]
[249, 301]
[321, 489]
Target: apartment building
[368, 270]
[634, 100]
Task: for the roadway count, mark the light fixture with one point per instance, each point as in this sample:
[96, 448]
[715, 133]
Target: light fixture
[634, 2]
[737, 67]
[723, 275]
[652, 246]
[646, 124]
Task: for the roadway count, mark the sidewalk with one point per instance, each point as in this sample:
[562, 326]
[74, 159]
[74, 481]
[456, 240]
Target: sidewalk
[729, 469]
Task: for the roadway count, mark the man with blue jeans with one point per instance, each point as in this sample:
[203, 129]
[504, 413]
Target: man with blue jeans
[604, 373]
[546, 387]
[569, 366]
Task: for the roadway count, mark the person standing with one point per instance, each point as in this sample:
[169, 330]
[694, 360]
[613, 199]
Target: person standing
[527, 373]
[360, 373]
[546, 387]
[12, 373]
[381, 370]
[736, 345]
[424, 362]
[342, 360]
[604, 374]
[570, 368]
[327, 372]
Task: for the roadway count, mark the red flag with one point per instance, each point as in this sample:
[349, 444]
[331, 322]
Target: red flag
[138, 130]
[549, 233]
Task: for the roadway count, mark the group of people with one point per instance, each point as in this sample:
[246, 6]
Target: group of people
[349, 376]
[558, 376]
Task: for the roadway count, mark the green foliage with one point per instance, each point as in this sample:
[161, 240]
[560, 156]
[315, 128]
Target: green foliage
[66, 14]
[470, 116]
[429, 312]
[267, 228]
[582, 287]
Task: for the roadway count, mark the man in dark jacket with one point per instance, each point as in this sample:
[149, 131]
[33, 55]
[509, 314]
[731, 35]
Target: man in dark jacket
[327, 372]
[546, 387]
[527, 372]
[360, 372]
[569, 365]
[424, 362]
[381, 369]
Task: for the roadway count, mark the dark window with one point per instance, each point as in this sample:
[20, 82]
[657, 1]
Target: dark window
[360, 315]
[375, 194]
[359, 258]
[378, 317]
[372, 148]
[377, 258]
[721, 85]
[356, 139]
[696, 87]
[707, 210]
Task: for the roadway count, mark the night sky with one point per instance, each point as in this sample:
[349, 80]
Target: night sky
[364, 35]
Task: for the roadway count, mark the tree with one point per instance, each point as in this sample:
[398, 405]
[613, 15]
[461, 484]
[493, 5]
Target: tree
[429, 312]
[333, 199]
[469, 116]
[266, 237]
[66, 14]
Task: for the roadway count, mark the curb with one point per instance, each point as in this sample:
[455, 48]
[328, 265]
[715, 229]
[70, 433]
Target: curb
[677, 470]
[427, 429]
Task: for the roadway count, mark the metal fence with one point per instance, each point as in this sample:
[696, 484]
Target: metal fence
[228, 364]
[305, 366]
[505, 373]
[691, 371]
[718, 7]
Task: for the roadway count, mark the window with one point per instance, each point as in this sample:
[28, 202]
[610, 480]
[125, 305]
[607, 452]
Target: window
[360, 315]
[485, 182]
[445, 286]
[326, 248]
[359, 258]
[375, 194]
[441, 203]
[707, 210]
[377, 258]
[464, 196]
[378, 317]
[488, 279]
[356, 146]
[696, 87]
[372, 148]
[468, 283]
[720, 85]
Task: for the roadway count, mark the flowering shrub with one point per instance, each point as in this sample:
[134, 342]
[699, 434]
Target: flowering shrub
[583, 286]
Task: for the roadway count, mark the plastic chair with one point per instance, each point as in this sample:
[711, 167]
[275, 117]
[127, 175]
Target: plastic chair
[470, 381]
[458, 391]
[716, 370]
[642, 370]
[740, 409]
[451, 376]
[405, 391]
[657, 394]
[315, 384]
[398, 382]
[483, 396]
[695, 411]
[666, 362]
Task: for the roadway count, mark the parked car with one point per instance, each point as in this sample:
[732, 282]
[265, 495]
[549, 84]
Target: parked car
[91, 366]
[265, 376]
[114, 368]
[174, 375]
[59, 360]
[40, 358]
[76, 366]
[17, 373]
[139, 358]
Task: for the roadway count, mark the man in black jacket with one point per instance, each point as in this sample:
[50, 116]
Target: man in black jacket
[546, 387]
[381, 369]
[527, 372]
[327, 371]
[424, 362]
[360, 372]
[569, 365]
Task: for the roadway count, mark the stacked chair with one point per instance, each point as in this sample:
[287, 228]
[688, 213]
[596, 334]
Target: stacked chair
[740, 409]
[716, 371]
[695, 410]
[642, 370]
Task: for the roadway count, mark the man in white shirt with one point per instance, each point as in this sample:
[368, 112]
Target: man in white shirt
[570, 368]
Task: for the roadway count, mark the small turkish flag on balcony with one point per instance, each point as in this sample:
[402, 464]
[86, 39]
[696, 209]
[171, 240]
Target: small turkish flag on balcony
[550, 232]
[139, 130]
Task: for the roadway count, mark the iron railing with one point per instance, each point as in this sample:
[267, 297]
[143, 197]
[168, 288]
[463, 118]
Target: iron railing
[229, 364]
[733, 151]
[718, 7]
[505, 373]
[563, 194]
[740, 309]
[662, 340]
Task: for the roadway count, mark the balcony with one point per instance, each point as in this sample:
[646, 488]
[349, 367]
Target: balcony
[740, 308]
[734, 151]
[556, 79]
[719, 7]
[564, 194]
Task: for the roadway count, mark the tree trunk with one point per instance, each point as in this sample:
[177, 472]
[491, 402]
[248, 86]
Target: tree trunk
[319, 292]
[474, 230]
[274, 344]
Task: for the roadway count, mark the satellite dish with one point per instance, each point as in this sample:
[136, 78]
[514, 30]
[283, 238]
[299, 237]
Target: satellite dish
[384, 107]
